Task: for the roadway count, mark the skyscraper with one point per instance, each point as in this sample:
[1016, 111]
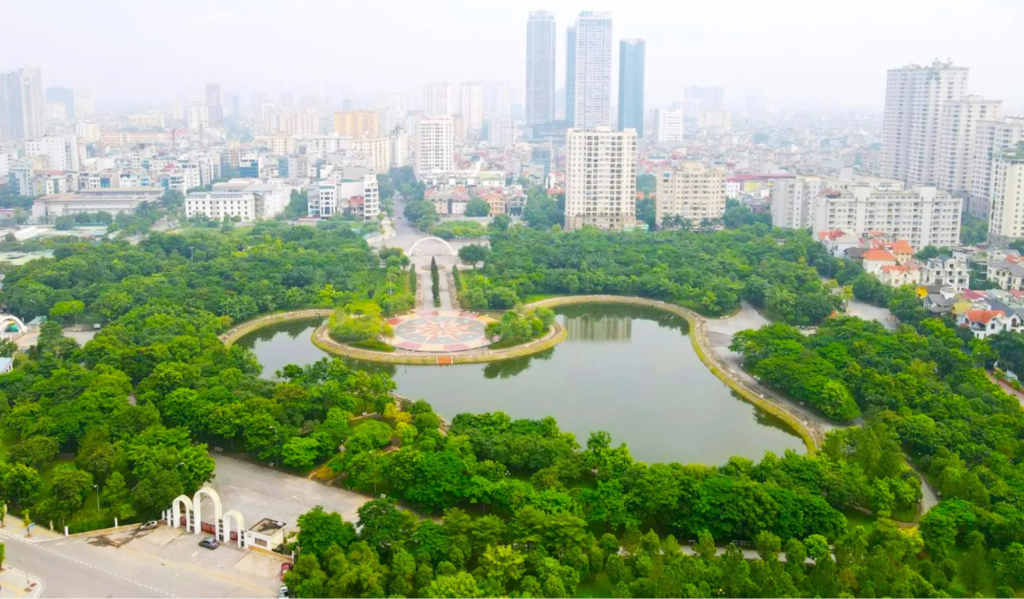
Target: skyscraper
[540, 67]
[436, 145]
[956, 145]
[438, 99]
[915, 104]
[570, 74]
[600, 179]
[62, 95]
[471, 105]
[22, 110]
[631, 85]
[213, 105]
[592, 70]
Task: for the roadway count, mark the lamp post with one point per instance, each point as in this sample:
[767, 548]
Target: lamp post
[97, 487]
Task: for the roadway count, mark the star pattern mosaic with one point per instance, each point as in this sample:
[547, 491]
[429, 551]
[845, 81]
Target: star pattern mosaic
[439, 331]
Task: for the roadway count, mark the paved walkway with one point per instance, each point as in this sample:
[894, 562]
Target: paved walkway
[18, 584]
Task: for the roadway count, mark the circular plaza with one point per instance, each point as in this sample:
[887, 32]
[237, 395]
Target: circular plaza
[439, 331]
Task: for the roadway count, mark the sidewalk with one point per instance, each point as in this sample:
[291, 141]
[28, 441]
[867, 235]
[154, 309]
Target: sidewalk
[15, 583]
[16, 528]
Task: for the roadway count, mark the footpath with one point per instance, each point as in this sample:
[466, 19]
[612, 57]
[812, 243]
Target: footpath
[15, 582]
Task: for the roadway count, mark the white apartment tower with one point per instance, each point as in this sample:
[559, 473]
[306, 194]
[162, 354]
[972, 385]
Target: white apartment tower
[793, 201]
[61, 151]
[438, 99]
[668, 126]
[1006, 221]
[600, 178]
[915, 102]
[955, 167]
[990, 140]
[540, 68]
[592, 70]
[501, 132]
[471, 105]
[399, 141]
[435, 147]
[22, 109]
[691, 192]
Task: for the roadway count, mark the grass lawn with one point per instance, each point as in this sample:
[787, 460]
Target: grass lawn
[536, 297]
[600, 587]
[855, 518]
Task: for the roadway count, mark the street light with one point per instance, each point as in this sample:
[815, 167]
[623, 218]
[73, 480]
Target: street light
[97, 487]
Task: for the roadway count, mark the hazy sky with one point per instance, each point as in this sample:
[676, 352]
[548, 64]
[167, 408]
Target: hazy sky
[796, 53]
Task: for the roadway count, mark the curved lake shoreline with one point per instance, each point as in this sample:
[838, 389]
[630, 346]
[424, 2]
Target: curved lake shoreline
[629, 370]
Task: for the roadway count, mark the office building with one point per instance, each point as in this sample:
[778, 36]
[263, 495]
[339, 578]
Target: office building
[357, 123]
[570, 74]
[957, 141]
[61, 151]
[600, 179]
[668, 126]
[691, 192]
[921, 215]
[113, 200]
[592, 70]
[435, 144]
[1006, 220]
[992, 138]
[214, 105]
[471, 105]
[62, 95]
[631, 85]
[916, 99]
[218, 205]
[794, 200]
[704, 99]
[438, 99]
[540, 68]
[22, 109]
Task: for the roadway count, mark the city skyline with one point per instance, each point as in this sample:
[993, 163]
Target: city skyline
[714, 45]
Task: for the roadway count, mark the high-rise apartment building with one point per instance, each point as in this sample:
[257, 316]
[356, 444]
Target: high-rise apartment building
[62, 95]
[399, 141]
[1006, 221]
[22, 109]
[955, 166]
[438, 99]
[471, 105]
[794, 200]
[916, 98]
[668, 126]
[990, 140]
[435, 147]
[357, 123]
[600, 178]
[501, 132]
[214, 105]
[85, 106]
[540, 68]
[592, 70]
[690, 192]
[704, 99]
[631, 85]
[570, 74]
[61, 151]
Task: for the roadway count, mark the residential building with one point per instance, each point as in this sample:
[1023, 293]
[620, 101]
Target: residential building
[279, 144]
[921, 215]
[668, 126]
[592, 70]
[501, 132]
[375, 151]
[916, 98]
[88, 132]
[690, 192]
[1006, 221]
[55, 111]
[61, 151]
[838, 242]
[540, 68]
[113, 200]
[435, 149]
[438, 99]
[22, 109]
[631, 85]
[85, 106]
[471, 105]
[874, 260]
[714, 119]
[900, 275]
[704, 99]
[958, 141]
[357, 123]
[570, 74]
[198, 116]
[399, 148]
[147, 121]
[600, 178]
[214, 105]
[62, 95]
[986, 323]
[992, 138]
[356, 195]
[794, 200]
[947, 272]
[218, 205]
[1008, 273]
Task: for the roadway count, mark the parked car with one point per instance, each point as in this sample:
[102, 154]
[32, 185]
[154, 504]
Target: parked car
[149, 525]
[209, 543]
[283, 592]
[285, 567]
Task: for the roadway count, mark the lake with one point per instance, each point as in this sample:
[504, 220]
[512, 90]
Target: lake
[628, 370]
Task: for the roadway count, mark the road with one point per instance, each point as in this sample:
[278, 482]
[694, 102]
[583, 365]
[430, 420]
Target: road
[76, 567]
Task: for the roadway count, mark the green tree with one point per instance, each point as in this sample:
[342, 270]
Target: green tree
[117, 497]
[69, 487]
[68, 310]
[301, 452]
[478, 207]
[319, 531]
[473, 253]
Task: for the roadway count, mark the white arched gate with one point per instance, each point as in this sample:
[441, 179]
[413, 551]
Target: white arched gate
[414, 246]
[193, 517]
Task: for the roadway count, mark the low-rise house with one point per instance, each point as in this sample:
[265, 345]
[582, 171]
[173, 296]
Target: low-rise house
[838, 242]
[900, 274]
[1008, 273]
[876, 260]
[985, 323]
[946, 272]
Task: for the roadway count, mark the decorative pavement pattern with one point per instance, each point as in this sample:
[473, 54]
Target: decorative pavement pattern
[439, 331]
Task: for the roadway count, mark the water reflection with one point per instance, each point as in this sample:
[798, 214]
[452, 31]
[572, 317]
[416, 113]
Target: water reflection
[504, 369]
